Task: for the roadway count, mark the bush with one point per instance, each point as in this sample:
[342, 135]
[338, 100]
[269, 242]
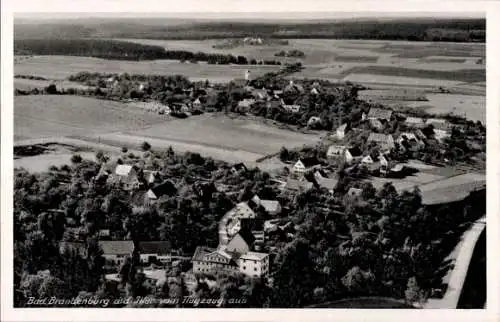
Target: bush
[76, 158]
[145, 146]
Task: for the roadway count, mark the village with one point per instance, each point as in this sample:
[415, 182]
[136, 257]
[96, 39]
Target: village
[244, 231]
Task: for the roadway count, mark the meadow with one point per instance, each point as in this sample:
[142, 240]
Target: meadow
[61, 67]
[57, 117]
[239, 135]
[37, 116]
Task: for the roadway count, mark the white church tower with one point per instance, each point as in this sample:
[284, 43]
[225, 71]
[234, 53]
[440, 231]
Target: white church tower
[247, 75]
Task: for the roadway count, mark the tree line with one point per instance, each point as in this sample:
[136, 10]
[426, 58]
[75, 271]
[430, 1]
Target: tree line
[123, 50]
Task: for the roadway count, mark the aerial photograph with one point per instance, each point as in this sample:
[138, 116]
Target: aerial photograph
[249, 162]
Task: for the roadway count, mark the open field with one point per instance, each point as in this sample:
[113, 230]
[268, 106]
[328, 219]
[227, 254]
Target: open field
[55, 115]
[472, 106]
[29, 84]
[218, 131]
[401, 80]
[114, 124]
[61, 67]
[43, 162]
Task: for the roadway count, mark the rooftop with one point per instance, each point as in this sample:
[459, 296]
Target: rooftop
[254, 256]
[117, 247]
[379, 113]
[123, 169]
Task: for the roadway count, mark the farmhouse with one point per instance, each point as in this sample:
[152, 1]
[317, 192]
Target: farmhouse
[376, 124]
[127, 175]
[315, 91]
[376, 164]
[384, 141]
[328, 183]
[153, 251]
[272, 207]
[297, 186]
[302, 166]
[245, 104]
[335, 151]
[352, 154]
[378, 114]
[441, 128]
[197, 104]
[151, 176]
[409, 141]
[115, 252]
[415, 121]
[167, 188]
[233, 216]
[295, 88]
[290, 108]
[261, 94]
[342, 130]
[239, 168]
[204, 189]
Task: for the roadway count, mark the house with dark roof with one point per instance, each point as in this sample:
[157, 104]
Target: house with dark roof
[417, 122]
[126, 175]
[115, 252]
[239, 168]
[335, 151]
[204, 189]
[152, 251]
[352, 154]
[410, 141]
[377, 114]
[441, 128]
[261, 94]
[256, 226]
[324, 182]
[166, 188]
[297, 186]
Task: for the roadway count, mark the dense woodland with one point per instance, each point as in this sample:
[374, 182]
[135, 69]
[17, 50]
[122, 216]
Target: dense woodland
[455, 30]
[122, 50]
[381, 243]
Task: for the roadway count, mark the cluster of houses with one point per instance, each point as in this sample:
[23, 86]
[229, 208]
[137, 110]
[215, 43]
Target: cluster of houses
[242, 235]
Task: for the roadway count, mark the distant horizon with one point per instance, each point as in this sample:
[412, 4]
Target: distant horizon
[250, 16]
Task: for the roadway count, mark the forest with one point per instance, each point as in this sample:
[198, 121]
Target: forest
[122, 50]
[416, 29]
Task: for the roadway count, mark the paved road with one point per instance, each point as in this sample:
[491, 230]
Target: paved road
[462, 256]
